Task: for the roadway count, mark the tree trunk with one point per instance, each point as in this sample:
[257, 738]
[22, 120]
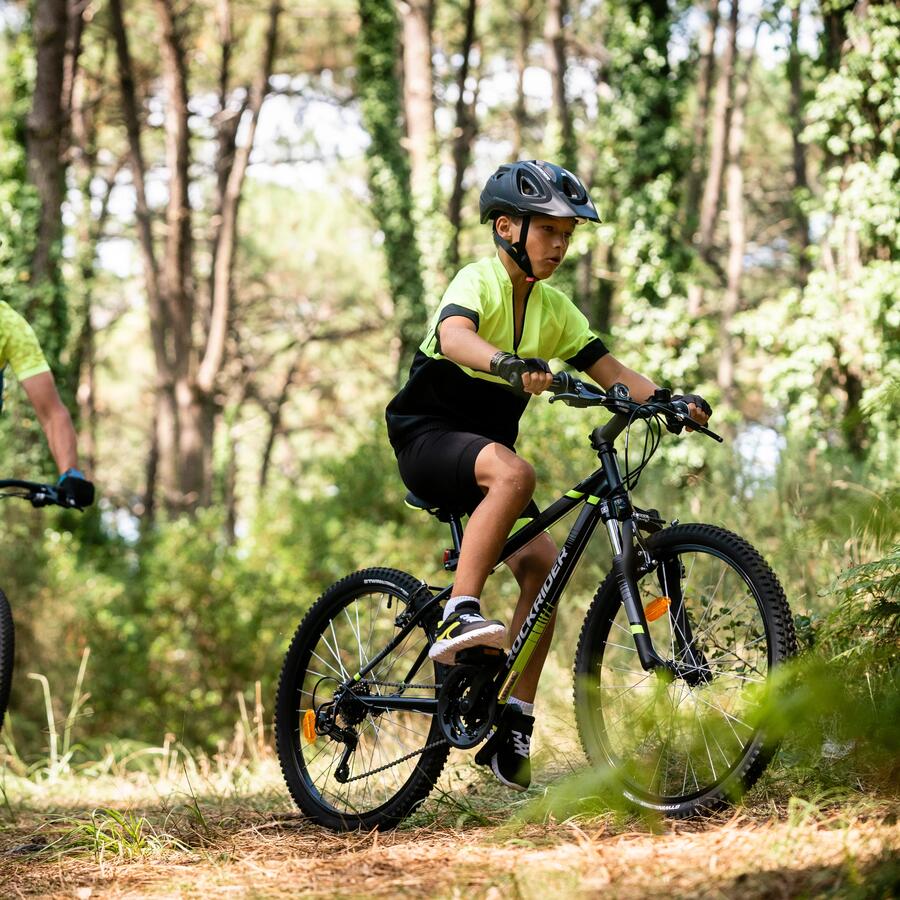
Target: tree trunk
[274, 412]
[418, 94]
[466, 128]
[162, 441]
[233, 172]
[705, 75]
[712, 191]
[214, 351]
[186, 468]
[563, 137]
[834, 32]
[46, 171]
[736, 235]
[74, 31]
[520, 112]
[796, 113]
[389, 176]
[718, 145]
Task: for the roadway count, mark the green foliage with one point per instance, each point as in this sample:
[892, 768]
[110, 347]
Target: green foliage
[642, 158]
[836, 343]
[389, 174]
[43, 303]
[19, 217]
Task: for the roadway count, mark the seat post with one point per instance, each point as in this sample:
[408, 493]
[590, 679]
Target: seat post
[456, 531]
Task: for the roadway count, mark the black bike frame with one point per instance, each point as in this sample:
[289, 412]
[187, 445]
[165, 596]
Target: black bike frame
[605, 499]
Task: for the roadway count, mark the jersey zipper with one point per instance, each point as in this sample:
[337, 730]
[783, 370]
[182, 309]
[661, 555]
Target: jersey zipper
[517, 339]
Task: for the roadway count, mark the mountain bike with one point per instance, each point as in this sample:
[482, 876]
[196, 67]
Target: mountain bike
[670, 668]
[37, 495]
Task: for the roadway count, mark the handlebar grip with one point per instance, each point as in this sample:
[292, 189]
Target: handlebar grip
[563, 383]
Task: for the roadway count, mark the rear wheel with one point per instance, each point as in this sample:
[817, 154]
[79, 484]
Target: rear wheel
[352, 766]
[692, 743]
[7, 651]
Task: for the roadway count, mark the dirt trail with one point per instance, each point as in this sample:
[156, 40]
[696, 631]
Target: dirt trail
[264, 855]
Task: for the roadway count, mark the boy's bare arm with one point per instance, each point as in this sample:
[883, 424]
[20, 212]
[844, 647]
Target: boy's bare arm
[607, 371]
[54, 419]
[461, 343]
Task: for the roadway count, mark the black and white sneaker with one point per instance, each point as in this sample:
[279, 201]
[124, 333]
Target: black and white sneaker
[465, 627]
[512, 761]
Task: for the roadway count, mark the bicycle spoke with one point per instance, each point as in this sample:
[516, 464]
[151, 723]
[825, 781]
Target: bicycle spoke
[680, 738]
[388, 741]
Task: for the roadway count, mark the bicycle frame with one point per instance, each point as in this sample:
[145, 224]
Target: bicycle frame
[604, 498]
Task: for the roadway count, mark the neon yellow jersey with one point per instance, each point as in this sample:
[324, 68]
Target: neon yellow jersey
[553, 328]
[441, 394]
[19, 346]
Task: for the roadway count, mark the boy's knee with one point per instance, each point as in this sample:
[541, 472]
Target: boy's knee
[520, 477]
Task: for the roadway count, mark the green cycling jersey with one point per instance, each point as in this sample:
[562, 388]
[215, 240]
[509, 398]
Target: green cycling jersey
[19, 346]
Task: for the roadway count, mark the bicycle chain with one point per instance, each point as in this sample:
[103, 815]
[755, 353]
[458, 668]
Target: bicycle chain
[397, 762]
[432, 746]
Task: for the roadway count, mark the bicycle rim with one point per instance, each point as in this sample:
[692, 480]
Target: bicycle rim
[7, 653]
[389, 742]
[671, 741]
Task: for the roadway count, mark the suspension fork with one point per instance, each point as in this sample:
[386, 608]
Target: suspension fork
[621, 538]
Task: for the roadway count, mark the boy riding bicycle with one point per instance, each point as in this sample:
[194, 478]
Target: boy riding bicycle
[19, 348]
[453, 426]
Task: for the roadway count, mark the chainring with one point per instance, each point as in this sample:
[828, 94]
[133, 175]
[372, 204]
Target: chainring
[467, 705]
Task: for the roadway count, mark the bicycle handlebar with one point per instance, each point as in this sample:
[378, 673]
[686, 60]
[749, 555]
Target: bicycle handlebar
[36, 494]
[617, 399]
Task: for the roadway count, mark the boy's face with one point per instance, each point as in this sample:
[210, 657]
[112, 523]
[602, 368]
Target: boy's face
[547, 241]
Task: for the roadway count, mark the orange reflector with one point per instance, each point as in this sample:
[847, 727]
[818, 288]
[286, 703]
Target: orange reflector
[656, 608]
[309, 725]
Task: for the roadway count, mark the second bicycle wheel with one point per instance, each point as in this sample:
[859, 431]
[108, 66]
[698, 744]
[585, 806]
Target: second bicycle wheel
[689, 744]
[7, 652]
[373, 768]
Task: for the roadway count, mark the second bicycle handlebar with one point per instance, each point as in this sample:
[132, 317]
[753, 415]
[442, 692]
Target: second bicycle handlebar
[36, 494]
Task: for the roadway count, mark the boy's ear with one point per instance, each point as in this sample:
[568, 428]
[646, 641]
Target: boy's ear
[504, 226]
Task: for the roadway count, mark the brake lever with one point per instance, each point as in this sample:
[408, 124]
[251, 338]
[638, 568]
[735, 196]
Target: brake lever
[571, 399]
[685, 421]
[49, 496]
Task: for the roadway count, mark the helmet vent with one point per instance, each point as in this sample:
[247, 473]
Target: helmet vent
[573, 190]
[527, 188]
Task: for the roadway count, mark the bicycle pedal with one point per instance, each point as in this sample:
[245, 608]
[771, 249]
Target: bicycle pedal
[480, 656]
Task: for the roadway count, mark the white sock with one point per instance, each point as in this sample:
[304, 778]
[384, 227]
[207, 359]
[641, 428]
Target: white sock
[453, 602]
[527, 708]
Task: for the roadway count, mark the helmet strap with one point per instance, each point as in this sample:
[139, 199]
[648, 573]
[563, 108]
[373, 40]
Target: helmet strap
[517, 251]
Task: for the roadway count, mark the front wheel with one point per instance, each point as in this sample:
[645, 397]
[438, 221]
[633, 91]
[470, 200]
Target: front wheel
[690, 743]
[349, 765]
[7, 651]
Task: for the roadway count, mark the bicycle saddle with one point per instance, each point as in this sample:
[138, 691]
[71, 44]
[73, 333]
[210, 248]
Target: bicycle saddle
[441, 513]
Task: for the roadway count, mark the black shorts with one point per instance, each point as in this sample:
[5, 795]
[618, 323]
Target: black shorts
[439, 467]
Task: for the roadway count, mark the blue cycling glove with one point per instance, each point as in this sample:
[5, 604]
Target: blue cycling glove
[74, 489]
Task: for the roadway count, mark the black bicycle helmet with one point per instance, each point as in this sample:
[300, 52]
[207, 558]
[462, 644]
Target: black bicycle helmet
[533, 187]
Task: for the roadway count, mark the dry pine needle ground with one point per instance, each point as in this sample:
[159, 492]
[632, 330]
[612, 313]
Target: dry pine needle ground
[107, 838]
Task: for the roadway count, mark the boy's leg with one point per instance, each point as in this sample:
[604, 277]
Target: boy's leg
[509, 755]
[530, 566]
[507, 483]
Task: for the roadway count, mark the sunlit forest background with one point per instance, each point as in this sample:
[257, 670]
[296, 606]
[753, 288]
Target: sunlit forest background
[228, 223]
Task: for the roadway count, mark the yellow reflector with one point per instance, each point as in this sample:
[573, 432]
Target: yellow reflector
[309, 725]
[656, 608]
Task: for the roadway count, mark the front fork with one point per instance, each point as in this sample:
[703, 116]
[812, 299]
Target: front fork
[625, 571]
[691, 664]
